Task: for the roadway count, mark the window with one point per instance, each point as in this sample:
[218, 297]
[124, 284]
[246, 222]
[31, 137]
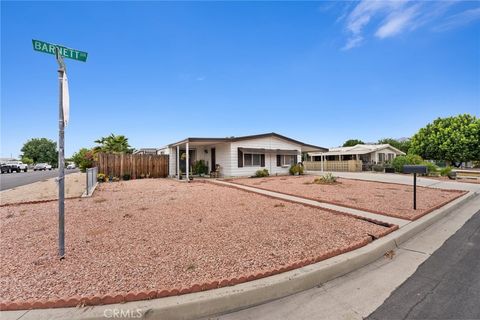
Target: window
[286, 160]
[391, 156]
[381, 157]
[252, 159]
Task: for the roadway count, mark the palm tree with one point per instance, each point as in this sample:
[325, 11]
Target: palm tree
[113, 144]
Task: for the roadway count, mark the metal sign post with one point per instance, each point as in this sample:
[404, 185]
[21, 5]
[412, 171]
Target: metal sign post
[60, 52]
[414, 169]
[61, 158]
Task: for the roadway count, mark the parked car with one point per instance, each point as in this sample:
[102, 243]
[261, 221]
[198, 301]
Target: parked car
[18, 166]
[71, 166]
[42, 166]
[6, 168]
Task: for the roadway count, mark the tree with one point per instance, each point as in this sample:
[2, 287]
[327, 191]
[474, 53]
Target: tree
[402, 145]
[27, 160]
[113, 144]
[352, 142]
[455, 139]
[41, 150]
[83, 159]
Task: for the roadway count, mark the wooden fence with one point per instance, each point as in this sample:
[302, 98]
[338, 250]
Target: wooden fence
[136, 165]
[347, 165]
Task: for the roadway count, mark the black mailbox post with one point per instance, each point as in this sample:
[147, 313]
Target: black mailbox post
[414, 169]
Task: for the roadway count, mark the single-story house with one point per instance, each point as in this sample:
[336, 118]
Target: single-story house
[237, 156]
[152, 151]
[367, 153]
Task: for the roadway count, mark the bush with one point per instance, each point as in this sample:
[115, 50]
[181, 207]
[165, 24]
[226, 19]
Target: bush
[327, 178]
[126, 176]
[400, 161]
[199, 167]
[296, 169]
[101, 177]
[444, 172]
[378, 168]
[83, 159]
[432, 169]
[262, 173]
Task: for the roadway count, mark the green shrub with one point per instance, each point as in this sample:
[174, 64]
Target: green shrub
[262, 173]
[101, 177]
[126, 176]
[378, 168]
[445, 171]
[432, 169]
[327, 178]
[296, 169]
[199, 167]
[400, 161]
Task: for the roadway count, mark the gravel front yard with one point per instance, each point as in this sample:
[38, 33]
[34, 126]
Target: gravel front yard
[384, 198]
[158, 234]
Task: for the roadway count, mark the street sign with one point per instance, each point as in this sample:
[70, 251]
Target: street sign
[45, 47]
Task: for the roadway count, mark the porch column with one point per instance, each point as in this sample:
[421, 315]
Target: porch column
[322, 157]
[187, 162]
[178, 162]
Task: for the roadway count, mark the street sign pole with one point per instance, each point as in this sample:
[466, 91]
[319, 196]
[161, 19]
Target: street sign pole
[60, 52]
[61, 159]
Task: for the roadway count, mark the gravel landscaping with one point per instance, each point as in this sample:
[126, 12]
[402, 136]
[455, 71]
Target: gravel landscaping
[390, 199]
[157, 234]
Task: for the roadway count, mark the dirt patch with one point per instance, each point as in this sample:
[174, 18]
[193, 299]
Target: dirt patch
[384, 198]
[45, 190]
[204, 233]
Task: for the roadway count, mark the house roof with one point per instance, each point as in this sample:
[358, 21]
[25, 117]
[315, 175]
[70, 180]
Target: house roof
[357, 149]
[305, 146]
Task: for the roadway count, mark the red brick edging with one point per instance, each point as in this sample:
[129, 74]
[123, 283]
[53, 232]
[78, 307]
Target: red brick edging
[77, 301]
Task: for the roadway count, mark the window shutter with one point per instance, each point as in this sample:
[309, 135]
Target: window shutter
[262, 160]
[279, 160]
[240, 158]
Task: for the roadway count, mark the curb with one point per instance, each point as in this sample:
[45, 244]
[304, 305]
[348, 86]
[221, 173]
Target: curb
[248, 294]
[88, 195]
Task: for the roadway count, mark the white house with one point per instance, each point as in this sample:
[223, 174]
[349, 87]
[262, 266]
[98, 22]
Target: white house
[238, 156]
[367, 153]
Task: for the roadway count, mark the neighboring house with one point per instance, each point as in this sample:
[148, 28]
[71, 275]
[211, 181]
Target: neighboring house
[238, 156]
[152, 151]
[367, 153]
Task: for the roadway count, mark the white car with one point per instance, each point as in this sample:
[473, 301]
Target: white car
[17, 166]
[71, 166]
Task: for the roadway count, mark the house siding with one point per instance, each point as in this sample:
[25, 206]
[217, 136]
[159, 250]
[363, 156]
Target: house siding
[270, 158]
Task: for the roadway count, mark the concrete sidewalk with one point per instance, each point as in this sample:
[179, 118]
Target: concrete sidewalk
[359, 293]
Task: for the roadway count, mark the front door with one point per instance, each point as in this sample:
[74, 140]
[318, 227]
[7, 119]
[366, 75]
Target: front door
[214, 162]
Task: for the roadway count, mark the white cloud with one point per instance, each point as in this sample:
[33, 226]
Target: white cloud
[397, 22]
[392, 18]
[459, 19]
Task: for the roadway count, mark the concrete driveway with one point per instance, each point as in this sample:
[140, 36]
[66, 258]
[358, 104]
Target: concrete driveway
[13, 180]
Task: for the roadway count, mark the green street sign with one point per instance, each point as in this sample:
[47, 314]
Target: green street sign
[65, 52]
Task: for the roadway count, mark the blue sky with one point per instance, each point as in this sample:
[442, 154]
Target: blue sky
[320, 72]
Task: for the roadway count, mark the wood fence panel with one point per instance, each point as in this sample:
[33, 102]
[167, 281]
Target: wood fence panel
[136, 165]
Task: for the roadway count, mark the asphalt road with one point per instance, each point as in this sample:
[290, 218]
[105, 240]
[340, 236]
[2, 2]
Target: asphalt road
[445, 286]
[13, 180]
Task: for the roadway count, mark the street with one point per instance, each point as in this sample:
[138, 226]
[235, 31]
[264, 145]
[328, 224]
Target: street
[13, 180]
[445, 286]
